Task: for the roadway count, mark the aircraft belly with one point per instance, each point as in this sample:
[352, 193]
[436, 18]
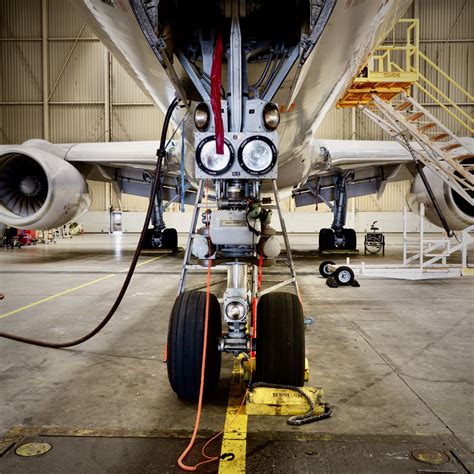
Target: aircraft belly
[353, 29]
[118, 30]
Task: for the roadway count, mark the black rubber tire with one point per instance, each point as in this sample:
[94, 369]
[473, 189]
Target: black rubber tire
[350, 239]
[326, 239]
[323, 271]
[343, 276]
[280, 347]
[147, 243]
[169, 239]
[185, 343]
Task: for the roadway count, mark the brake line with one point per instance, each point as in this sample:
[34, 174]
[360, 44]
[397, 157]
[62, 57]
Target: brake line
[161, 153]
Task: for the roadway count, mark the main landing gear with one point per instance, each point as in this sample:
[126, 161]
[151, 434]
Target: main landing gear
[342, 239]
[161, 239]
[338, 238]
[160, 236]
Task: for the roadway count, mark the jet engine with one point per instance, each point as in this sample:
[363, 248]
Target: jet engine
[39, 189]
[458, 212]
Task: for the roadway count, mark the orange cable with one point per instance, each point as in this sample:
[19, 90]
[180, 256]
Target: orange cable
[203, 363]
[209, 441]
[254, 305]
[203, 369]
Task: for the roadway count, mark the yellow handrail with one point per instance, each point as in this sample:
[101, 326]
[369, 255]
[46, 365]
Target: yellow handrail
[413, 55]
[383, 72]
[442, 94]
[455, 117]
[448, 78]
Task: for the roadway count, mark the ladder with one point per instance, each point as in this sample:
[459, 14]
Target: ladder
[427, 140]
[188, 265]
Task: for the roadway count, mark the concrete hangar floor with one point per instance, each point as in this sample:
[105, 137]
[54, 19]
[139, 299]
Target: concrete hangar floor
[394, 358]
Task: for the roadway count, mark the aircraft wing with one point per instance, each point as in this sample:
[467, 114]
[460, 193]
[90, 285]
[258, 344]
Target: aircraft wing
[127, 155]
[369, 166]
[352, 154]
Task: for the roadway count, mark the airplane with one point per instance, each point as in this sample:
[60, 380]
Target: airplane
[257, 78]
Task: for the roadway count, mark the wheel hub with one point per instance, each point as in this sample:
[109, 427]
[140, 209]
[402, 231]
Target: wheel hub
[345, 276]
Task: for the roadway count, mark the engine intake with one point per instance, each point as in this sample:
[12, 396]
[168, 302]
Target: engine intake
[40, 190]
[458, 212]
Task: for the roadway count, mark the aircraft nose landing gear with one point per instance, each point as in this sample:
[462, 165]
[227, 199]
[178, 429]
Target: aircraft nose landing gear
[275, 333]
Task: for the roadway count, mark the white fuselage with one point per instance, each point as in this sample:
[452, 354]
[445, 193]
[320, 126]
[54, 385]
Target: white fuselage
[352, 31]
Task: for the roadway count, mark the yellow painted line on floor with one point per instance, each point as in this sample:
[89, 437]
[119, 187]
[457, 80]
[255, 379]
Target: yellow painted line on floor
[234, 442]
[70, 290]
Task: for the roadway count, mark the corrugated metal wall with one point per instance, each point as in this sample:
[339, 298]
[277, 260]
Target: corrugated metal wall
[83, 81]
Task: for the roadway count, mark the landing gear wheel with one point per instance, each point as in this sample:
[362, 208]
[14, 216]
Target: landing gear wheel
[185, 343]
[343, 276]
[148, 241]
[280, 339]
[169, 239]
[326, 239]
[324, 271]
[350, 239]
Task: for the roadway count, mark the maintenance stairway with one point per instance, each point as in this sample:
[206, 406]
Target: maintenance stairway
[428, 140]
[382, 92]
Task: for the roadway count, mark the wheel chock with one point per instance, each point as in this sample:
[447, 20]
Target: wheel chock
[283, 402]
[244, 367]
[306, 369]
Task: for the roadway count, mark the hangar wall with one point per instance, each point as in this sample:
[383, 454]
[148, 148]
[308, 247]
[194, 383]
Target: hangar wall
[59, 83]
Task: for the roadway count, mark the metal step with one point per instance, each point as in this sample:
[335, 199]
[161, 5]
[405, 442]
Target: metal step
[440, 136]
[404, 105]
[451, 146]
[426, 127]
[403, 125]
[415, 116]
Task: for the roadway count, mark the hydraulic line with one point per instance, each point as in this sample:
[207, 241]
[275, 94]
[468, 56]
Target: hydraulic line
[161, 153]
[277, 65]
[264, 73]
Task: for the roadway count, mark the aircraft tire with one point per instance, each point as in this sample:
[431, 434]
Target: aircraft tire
[185, 344]
[323, 268]
[326, 239]
[343, 276]
[280, 347]
[350, 239]
[169, 239]
[147, 243]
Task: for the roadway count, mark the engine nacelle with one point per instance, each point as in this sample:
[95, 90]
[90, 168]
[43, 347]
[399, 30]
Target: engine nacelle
[458, 212]
[38, 188]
